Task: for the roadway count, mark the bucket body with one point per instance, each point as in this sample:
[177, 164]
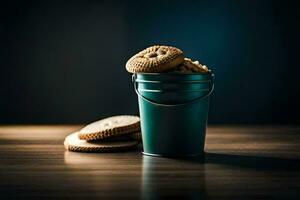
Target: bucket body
[173, 110]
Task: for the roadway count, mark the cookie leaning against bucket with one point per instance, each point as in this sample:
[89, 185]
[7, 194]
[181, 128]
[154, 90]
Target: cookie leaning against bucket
[73, 143]
[155, 59]
[110, 127]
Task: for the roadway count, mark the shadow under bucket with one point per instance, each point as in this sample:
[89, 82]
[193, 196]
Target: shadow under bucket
[173, 110]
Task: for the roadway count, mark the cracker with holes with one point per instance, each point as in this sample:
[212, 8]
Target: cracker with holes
[155, 59]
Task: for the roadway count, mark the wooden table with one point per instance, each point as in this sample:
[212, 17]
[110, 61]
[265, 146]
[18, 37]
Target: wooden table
[241, 162]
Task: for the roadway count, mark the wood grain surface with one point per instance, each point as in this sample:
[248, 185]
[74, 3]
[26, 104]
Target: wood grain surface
[242, 162]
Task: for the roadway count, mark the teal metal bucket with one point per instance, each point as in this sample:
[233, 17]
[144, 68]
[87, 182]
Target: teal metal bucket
[173, 110]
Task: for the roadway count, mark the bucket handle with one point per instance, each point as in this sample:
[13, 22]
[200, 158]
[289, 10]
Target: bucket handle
[169, 105]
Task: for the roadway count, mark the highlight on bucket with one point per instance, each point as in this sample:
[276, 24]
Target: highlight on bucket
[173, 96]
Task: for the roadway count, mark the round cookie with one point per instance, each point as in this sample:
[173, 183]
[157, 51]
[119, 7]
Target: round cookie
[110, 127]
[155, 59]
[195, 66]
[73, 143]
[189, 66]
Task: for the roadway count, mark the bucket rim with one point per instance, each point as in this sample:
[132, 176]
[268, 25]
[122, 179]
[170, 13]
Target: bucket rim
[210, 80]
[175, 74]
[177, 91]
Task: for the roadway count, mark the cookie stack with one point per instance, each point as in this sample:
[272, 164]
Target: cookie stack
[111, 134]
[160, 59]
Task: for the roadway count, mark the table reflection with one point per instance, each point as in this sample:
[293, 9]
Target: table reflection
[165, 178]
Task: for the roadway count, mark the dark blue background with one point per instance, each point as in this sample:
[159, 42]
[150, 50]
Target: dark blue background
[63, 62]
